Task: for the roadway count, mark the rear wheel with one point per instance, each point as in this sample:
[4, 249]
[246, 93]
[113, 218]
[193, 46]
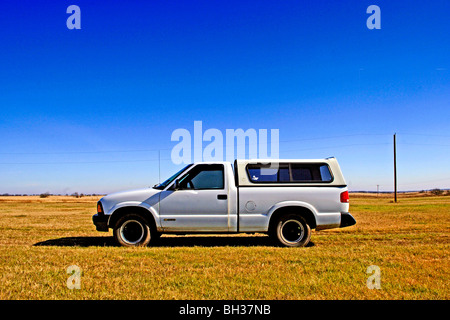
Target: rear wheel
[291, 230]
[132, 230]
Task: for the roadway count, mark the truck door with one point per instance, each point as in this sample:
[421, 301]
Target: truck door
[199, 204]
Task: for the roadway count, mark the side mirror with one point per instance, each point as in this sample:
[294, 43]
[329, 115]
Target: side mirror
[177, 184]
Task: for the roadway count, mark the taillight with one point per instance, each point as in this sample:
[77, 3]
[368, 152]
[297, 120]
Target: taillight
[99, 207]
[344, 197]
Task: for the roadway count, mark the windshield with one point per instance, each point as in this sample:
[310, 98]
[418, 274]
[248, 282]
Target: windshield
[168, 181]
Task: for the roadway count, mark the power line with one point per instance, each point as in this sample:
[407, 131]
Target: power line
[426, 144]
[416, 183]
[424, 134]
[158, 159]
[78, 152]
[341, 146]
[161, 149]
[334, 137]
[79, 162]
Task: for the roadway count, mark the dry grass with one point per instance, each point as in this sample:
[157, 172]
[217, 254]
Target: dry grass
[409, 241]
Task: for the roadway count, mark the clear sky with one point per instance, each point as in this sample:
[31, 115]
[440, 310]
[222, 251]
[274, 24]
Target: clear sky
[87, 110]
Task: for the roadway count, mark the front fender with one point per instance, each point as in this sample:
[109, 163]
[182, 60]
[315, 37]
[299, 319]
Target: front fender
[150, 209]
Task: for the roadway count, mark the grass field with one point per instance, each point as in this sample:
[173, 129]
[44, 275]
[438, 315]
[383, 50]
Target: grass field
[408, 241]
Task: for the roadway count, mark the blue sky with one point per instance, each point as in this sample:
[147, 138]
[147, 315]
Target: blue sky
[87, 110]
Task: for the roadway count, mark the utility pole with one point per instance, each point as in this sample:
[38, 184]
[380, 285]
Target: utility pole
[378, 189]
[395, 169]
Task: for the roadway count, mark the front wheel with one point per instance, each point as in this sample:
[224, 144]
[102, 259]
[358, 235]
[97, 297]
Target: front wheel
[132, 231]
[291, 230]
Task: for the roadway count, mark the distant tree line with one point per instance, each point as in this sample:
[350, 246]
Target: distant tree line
[434, 192]
[48, 194]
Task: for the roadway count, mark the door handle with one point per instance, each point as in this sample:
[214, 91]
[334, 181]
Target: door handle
[222, 196]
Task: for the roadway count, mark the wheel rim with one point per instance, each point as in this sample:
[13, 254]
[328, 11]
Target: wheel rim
[292, 231]
[132, 232]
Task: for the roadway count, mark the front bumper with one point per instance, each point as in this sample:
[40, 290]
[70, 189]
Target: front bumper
[347, 220]
[100, 221]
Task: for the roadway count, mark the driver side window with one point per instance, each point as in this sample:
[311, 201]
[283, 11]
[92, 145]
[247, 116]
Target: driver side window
[204, 176]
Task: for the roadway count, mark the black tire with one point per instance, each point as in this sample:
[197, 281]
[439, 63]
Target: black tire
[132, 230]
[291, 230]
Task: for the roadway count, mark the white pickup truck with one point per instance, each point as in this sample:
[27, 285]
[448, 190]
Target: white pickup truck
[284, 198]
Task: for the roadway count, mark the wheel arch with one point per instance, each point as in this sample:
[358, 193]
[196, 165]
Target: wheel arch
[124, 210]
[301, 209]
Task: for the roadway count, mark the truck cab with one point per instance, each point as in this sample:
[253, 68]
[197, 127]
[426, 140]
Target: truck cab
[283, 198]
